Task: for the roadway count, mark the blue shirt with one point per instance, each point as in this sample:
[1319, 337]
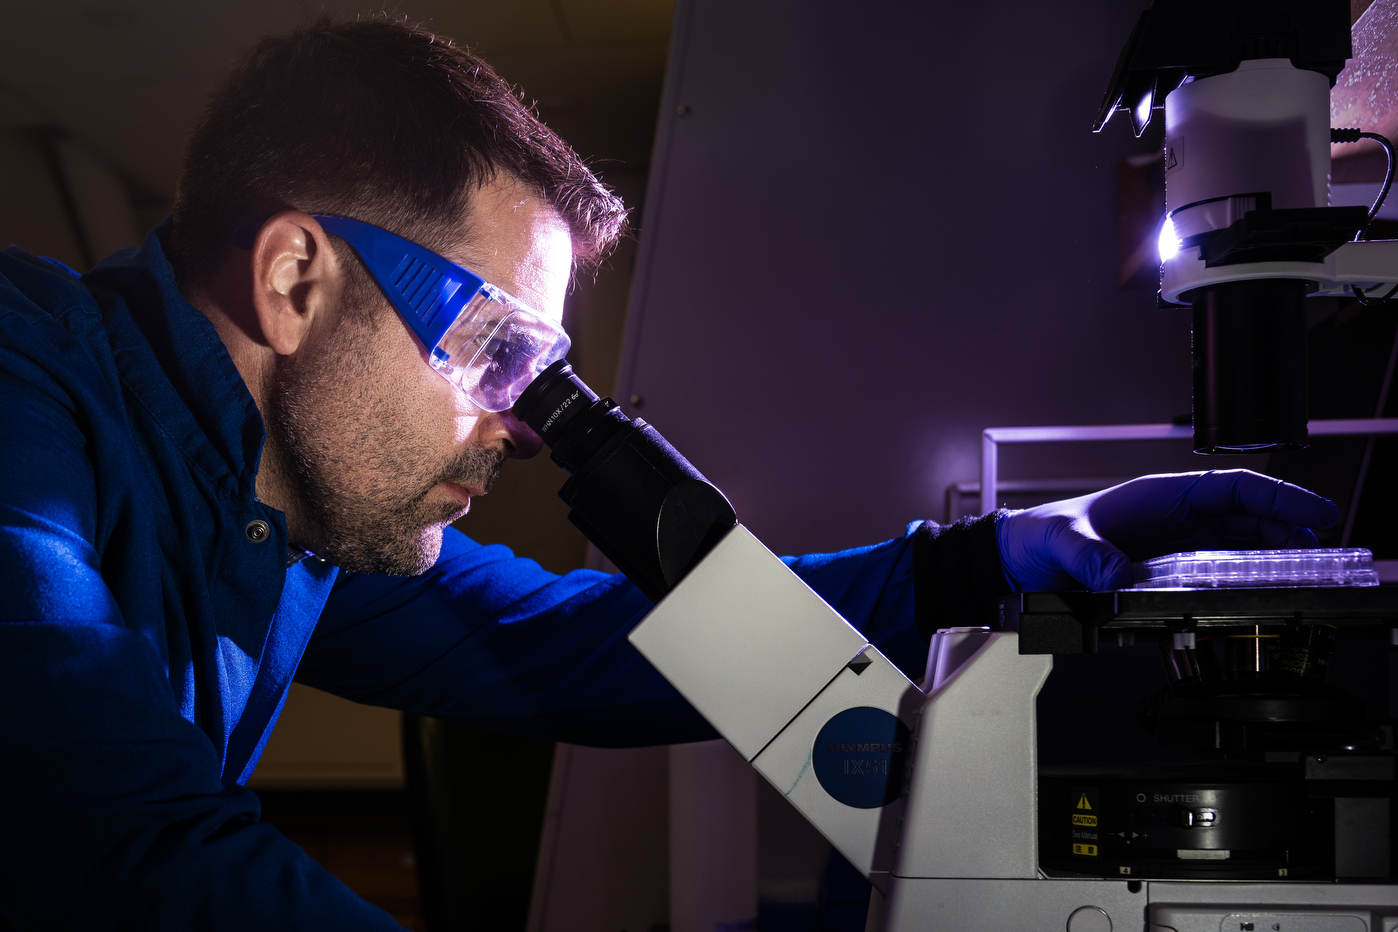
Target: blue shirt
[148, 636]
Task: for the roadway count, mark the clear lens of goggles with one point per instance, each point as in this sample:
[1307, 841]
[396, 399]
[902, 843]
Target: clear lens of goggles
[496, 347]
[483, 341]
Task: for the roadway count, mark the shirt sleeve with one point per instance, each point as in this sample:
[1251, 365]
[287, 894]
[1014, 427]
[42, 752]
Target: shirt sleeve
[113, 810]
[493, 640]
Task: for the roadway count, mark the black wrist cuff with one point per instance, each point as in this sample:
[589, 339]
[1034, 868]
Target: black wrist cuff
[957, 577]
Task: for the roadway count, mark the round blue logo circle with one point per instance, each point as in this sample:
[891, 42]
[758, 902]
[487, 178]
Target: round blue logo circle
[859, 756]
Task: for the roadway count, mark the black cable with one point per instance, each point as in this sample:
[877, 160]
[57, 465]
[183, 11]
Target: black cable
[1387, 180]
[1367, 301]
[1354, 135]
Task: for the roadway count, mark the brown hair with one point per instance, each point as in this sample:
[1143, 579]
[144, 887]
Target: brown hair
[379, 120]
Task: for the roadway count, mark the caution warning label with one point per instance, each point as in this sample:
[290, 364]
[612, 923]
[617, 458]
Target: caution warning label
[1174, 154]
[1084, 818]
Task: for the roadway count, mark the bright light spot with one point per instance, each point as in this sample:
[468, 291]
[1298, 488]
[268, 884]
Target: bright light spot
[1169, 243]
[1143, 109]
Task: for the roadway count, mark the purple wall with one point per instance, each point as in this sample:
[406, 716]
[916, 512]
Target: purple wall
[876, 230]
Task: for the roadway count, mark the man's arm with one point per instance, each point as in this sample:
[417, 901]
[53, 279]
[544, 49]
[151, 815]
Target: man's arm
[114, 812]
[491, 639]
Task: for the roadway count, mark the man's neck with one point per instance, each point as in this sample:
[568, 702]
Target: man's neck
[224, 297]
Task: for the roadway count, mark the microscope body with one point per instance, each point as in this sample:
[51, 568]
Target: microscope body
[950, 834]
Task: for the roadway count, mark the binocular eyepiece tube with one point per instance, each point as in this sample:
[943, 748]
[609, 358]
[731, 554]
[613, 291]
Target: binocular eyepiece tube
[632, 494]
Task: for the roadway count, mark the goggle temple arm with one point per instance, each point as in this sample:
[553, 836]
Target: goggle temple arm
[427, 290]
[431, 294]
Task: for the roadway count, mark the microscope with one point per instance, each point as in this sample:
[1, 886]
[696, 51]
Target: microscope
[1271, 805]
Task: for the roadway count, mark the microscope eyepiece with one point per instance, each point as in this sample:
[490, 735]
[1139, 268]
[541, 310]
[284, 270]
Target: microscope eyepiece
[632, 494]
[553, 400]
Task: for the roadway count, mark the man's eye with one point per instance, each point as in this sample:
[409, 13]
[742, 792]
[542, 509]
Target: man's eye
[504, 354]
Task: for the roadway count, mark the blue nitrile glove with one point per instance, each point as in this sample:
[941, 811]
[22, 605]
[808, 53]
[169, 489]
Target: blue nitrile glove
[1092, 540]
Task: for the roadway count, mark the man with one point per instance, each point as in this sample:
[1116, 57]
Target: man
[229, 458]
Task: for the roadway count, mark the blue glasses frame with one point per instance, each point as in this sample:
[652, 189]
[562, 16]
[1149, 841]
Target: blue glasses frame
[478, 336]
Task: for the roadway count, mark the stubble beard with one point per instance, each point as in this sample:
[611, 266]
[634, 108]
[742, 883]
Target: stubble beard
[345, 449]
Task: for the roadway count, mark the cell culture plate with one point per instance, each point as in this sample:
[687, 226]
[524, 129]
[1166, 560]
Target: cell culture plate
[1257, 569]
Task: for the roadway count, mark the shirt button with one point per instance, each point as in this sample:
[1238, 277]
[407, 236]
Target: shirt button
[257, 530]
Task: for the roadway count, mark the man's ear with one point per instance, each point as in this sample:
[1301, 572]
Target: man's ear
[296, 279]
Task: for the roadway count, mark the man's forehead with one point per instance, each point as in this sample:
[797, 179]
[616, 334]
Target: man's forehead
[504, 217]
[518, 241]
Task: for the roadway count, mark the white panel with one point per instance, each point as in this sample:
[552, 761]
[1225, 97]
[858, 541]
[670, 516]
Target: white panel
[1259, 897]
[1206, 919]
[746, 641]
[864, 836]
[971, 806]
[1010, 906]
[974, 905]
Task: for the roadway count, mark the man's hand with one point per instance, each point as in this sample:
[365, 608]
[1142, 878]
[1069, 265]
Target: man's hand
[1092, 540]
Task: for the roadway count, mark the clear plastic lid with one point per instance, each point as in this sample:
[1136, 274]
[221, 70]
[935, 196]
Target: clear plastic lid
[1253, 569]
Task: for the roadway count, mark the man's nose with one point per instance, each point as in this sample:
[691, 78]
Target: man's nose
[519, 440]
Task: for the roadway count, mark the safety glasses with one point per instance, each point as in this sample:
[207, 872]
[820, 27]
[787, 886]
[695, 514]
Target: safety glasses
[478, 337]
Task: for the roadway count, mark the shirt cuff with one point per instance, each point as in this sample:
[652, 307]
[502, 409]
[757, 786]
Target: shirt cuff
[957, 577]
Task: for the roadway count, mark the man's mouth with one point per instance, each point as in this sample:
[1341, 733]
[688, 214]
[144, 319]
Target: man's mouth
[462, 492]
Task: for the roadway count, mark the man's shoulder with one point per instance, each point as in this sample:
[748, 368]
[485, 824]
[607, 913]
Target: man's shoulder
[50, 323]
[35, 288]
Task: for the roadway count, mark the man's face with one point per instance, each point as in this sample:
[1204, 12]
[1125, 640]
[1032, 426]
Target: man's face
[382, 451]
